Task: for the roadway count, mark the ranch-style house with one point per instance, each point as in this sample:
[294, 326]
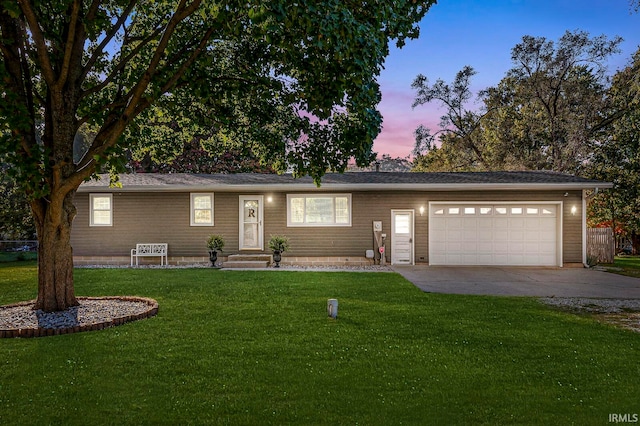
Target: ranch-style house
[474, 218]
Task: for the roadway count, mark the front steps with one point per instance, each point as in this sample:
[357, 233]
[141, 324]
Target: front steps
[248, 261]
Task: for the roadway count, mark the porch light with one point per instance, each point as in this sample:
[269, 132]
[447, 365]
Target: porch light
[421, 210]
[574, 210]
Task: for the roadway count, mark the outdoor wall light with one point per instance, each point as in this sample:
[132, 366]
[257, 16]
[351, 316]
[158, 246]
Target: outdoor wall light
[574, 210]
[269, 199]
[421, 210]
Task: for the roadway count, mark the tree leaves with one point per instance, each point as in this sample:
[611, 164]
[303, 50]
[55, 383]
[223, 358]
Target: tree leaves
[104, 63]
[546, 113]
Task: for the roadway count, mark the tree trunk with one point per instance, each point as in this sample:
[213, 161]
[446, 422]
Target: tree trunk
[53, 219]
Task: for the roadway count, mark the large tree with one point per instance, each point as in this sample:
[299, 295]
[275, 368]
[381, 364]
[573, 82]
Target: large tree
[555, 96]
[102, 64]
[546, 113]
[458, 145]
[616, 158]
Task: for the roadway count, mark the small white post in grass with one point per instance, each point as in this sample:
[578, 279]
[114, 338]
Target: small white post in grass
[332, 308]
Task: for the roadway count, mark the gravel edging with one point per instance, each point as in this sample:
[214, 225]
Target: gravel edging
[593, 305]
[92, 313]
[325, 268]
[623, 313]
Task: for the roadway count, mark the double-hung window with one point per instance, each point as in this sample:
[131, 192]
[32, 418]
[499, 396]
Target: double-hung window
[101, 210]
[201, 209]
[318, 210]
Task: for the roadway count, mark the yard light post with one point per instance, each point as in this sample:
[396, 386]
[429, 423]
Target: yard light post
[332, 308]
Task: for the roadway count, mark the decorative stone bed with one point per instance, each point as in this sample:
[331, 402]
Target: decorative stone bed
[93, 313]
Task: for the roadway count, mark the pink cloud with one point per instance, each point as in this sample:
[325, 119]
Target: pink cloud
[400, 121]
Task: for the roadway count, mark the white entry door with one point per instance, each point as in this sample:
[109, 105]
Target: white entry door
[402, 237]
[251, 233]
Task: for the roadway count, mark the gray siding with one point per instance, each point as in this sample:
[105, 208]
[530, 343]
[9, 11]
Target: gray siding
[164, 218]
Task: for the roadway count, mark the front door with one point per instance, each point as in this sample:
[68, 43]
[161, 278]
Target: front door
[251, 234]
[402, 237]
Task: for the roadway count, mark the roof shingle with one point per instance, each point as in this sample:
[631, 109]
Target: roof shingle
[364, 180]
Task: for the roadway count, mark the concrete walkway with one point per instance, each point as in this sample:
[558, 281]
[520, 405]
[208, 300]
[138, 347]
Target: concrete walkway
[516, 281]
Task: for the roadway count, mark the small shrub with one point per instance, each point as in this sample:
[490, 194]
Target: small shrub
[215, 242]
[279, 243]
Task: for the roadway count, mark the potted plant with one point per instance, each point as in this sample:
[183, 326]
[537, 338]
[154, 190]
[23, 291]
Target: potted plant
[215, 243]
[279, 244]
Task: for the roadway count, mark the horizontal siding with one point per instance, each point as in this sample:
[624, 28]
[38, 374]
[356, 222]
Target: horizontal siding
[164, 217]
[572, 229]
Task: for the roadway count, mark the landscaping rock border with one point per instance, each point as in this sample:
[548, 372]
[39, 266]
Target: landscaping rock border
[93, 313]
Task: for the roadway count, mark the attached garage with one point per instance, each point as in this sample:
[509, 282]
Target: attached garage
[495, 233]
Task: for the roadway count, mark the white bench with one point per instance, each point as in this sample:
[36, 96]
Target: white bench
[149, 250]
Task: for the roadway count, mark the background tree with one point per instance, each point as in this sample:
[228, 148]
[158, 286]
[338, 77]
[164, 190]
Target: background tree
[547, 113]
[617, 158]
[384, 163]
[103, 64]
[460, 136]
[554, 97]
[16, 222]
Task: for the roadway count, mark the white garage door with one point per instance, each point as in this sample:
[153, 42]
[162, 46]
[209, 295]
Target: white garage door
[493, 234]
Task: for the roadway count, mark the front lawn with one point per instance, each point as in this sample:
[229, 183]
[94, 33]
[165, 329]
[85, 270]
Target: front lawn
[625, 265]
[249, 348]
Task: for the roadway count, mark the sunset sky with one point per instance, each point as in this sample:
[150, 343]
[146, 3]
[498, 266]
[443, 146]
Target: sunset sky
[481, 33]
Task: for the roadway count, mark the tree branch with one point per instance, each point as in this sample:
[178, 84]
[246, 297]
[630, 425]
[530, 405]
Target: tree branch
[138, 90]
[108, 37]
[92, 11]
[68, 50]
[38, 38]
[16, 64]
[136, 103]
[186, 64]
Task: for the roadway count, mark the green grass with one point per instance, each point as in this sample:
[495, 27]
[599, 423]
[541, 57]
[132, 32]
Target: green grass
[625, 265]
[257, 348]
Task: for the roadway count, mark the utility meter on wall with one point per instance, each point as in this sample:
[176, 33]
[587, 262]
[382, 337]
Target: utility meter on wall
[377, 225]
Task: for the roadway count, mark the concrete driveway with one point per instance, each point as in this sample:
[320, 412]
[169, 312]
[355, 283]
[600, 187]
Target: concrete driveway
[516, 281]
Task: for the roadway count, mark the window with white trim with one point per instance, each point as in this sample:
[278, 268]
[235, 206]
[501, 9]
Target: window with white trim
[101, 209]
[319, 210]
[201, 209]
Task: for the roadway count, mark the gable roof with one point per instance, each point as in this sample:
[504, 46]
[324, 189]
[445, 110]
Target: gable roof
[360, 181]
